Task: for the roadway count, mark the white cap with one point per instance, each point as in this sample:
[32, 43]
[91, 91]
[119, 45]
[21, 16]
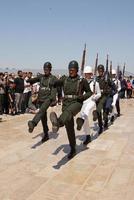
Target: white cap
[113, 71]
[88, 69]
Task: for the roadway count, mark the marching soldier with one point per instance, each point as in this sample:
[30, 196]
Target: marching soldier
[46, 97]
[73, 88]
[88, 104]
[105, 101]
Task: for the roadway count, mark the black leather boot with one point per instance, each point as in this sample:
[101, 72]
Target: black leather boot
[87, 140]
[95, 115]
[80, 123]
[31, 126]
[54, 121]
[72, 153]
[45, 137]
[105, 124]
[112, 119]
[100, 130]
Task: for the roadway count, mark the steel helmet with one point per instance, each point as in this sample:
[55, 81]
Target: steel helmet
[47, 65]
[101, 67]
[73, 64]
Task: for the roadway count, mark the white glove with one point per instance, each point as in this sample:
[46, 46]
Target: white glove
[93, 97]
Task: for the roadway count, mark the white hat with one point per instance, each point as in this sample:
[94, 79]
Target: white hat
[113, 71]
[88, 69]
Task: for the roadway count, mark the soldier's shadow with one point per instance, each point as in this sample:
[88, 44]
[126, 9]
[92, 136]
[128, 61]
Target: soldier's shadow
[95, 128]
[65, 148]
[51, 136]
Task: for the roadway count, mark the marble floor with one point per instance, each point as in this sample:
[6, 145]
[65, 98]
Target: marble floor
[104, 170]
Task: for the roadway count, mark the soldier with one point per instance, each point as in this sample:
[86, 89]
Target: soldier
[46, 97]
[107, 91]
[88, 104]
[73, 88]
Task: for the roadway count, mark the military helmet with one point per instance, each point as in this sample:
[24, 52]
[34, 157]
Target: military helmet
[73, 64]
[47, 65]
[88, 69]
[101, 67]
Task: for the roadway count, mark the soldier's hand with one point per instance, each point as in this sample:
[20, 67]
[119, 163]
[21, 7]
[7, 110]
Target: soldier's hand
[93, 97]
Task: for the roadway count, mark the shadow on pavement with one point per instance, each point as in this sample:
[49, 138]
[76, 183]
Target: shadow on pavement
[51, 136]
[66, 149]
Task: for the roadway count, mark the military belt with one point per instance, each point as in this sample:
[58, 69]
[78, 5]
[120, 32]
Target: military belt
[45, 88]
[70, 96]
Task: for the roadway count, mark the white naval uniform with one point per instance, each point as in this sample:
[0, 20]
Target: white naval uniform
[115, 97]
[89, 104]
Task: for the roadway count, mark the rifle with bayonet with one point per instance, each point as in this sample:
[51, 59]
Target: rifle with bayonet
[95, 73]
[123, 73]
[81, 71]
[111, 70]
[106, 72]
[83, 61]
[118, 72]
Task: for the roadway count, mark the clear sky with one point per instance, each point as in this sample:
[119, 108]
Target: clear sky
[35, 31]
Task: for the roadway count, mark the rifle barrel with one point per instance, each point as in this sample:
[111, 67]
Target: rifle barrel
[83, 59]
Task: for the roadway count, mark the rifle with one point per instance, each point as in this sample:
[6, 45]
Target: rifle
[111, 70]
[95, 71]
[118, 71]
[83, 60]
[123, 73]
[106, 72]
[81, 72]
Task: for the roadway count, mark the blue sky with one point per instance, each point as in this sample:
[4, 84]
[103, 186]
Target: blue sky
[36, 31]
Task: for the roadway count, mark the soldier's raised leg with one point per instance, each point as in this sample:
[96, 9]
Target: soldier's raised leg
[38, 116]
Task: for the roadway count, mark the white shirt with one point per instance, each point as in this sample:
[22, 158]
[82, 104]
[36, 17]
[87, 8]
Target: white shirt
[97, 94]
[118, 84]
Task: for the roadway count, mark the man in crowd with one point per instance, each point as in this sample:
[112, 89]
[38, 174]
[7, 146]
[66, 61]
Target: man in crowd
[19, 88]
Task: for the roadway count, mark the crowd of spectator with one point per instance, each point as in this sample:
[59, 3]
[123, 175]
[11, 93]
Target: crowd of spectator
[16, 95]
[127, 87]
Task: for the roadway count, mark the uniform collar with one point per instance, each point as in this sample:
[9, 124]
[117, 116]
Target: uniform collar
[74, 78]
[89, 80]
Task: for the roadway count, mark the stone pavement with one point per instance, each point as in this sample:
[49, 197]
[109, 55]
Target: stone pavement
[104, 170]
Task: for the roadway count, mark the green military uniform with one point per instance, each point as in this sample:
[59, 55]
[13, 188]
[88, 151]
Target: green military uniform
[73, 89]
[105, 87]
[46, 96]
